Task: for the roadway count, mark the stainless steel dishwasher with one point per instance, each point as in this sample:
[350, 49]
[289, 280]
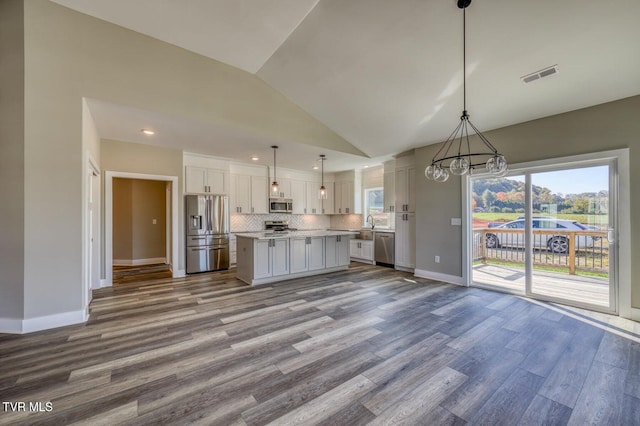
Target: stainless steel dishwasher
[385, 248]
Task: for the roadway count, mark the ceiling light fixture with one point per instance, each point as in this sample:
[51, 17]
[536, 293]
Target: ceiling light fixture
[148, 132]
[254, 158]
[315, 167]
[322, 193]
[274, 184]
[464, 160]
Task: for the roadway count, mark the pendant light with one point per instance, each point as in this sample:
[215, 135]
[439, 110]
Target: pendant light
[322, 192]
[274, 184]
[455, 155]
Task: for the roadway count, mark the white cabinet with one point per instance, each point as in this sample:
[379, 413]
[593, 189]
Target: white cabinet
[271, 258]
[284, 188]
[307, 254]
[389, 184]
[348, 192]
[327, 205]
[203, 179]
[298, 196]
[405, 192]
[259, 195]
[337, 251]
[249, 194]
[344, 198]
[405, 241]
[232, 249]
[361, 250]
[313, 205]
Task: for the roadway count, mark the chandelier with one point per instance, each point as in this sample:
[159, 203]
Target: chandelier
[455, 154]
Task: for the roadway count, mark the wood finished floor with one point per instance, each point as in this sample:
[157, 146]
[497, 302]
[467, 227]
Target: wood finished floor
[367, 346]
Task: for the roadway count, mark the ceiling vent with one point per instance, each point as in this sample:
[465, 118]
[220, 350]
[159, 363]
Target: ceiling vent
[546, 72]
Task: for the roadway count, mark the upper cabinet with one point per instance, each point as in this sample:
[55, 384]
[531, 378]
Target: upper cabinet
[249, 194]
[327, 205]
[389, 184]
[348, 193]
[405, 184]
[202, 179]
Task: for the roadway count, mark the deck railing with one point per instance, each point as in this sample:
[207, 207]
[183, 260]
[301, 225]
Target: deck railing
[573, 250]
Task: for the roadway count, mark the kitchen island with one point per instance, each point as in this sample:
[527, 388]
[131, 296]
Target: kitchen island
[267, 257]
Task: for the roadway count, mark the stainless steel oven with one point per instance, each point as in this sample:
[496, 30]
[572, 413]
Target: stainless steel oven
[280, 205]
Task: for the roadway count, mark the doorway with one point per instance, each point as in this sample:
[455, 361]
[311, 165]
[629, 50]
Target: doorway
[549, 231]
[171, 219]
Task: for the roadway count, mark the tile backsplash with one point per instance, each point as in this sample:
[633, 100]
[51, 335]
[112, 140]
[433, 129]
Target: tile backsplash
[255, 222]
[346, 221]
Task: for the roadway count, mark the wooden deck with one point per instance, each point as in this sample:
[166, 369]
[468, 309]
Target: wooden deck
[583, 289]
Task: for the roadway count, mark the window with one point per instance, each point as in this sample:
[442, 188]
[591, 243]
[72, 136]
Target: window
[374, 206]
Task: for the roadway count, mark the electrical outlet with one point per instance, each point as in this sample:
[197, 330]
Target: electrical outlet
[154, 222]
[437, 259]
[456, 221]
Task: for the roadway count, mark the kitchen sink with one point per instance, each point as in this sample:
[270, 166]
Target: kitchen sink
[365, 234]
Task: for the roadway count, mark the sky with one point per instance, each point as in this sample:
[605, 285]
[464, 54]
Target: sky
[574, 181]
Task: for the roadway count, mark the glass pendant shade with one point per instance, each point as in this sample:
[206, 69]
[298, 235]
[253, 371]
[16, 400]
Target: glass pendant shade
[322, 193]
[459, 166]
[274, 187]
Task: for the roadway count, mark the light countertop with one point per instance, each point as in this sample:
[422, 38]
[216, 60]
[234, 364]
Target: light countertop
[292, 234]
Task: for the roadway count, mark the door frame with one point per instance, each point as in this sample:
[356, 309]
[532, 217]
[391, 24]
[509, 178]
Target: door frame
[621, 180]
[108, 223]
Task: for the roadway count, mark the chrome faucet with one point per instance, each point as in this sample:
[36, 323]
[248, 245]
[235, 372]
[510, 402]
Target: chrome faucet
[370, 222]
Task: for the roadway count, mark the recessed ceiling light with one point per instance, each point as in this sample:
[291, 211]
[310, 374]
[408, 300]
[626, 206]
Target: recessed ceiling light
[315, 167]
[148, 132]
[366, 167]
[254, 158]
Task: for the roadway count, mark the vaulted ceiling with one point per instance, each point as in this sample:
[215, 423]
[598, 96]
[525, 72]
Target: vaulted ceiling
[387, 75]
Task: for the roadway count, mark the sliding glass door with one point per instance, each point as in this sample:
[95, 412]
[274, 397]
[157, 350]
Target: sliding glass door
[547, 233]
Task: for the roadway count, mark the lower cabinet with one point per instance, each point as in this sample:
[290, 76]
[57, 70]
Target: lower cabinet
[337, 251]
[271, 258]
[405, 241]
[307, 254]
[261, 261]
[361, 250]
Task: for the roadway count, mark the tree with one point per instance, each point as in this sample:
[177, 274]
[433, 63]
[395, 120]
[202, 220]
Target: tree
[488, 197]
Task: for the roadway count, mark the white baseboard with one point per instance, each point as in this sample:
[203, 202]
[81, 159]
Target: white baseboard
[30, 325]
[138, 262]
[179, 273]
[451, 279]
[10, 325]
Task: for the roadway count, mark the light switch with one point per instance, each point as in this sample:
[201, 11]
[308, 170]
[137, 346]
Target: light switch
[154, 221]
[456, 221]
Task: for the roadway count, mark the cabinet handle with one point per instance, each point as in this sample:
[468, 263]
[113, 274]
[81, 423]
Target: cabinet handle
[347, 210]
[252, 209]
[338, 238]
[391, 208]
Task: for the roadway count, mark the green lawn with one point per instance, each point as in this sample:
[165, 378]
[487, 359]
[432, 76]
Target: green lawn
[507, 217]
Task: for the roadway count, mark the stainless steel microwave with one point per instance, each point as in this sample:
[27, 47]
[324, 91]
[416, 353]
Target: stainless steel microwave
[280, 205]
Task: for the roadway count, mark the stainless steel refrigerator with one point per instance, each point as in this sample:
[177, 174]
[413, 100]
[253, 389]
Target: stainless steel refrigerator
[207, 232]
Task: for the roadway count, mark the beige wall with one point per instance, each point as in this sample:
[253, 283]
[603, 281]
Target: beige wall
[604, 127]
[122, 219]
[136, 204]
[145, 159]
[11, 160]
[69, 56]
